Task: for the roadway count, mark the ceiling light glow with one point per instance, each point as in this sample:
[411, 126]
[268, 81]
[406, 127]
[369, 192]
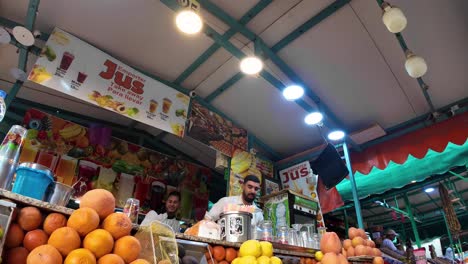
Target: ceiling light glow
[189, 22]
[429, 190]
[251, 65]
[293, 92]
[313, 118]
[336, 135]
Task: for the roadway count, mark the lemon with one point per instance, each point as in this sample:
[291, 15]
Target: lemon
[318, 255]
[275, 260]
[263, 260]
[250, 248]
[267, 248]
[235, 261]
[247, 260]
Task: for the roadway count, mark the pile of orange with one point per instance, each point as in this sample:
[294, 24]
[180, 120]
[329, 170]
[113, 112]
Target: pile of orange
[92, 234]
[220, 255]
[358, 244]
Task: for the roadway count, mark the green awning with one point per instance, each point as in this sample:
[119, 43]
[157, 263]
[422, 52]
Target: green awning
[414, 169]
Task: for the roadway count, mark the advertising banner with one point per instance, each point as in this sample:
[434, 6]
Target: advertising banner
[91, 158]
[213, 130]
[298, 179]
[72, 66]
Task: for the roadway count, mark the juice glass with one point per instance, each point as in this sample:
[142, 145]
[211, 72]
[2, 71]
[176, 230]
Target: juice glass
[153, 106]
[28, 154]
[167, 103]
[66, 61]
[65, 170]
[47, 158]
[126, 186]
[106, 179]
[87, 170]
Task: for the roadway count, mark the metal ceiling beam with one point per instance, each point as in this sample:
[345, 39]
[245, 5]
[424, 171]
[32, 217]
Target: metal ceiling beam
[435, 200]
[331, 119]
[23, 54]
[322, 15]
[227, 35]
[226, 85]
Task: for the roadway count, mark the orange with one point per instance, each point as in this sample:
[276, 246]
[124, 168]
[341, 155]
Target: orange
[65, 239]
[102, 201]
[35, 238]
[99, 241]
[83, 220]
[231, 254]
[29, 218]
[219, 253]
[14, 236]
[347, 244]
[111, 259]
[80, 256]
[140, 261]
[16, 255]
[358, 241]
[45, 254]
[378, 260]
[118, 225]
[127, 247]
[54, 221]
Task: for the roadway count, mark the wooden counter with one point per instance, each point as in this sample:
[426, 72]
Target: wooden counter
[24, 200]
[278, 249]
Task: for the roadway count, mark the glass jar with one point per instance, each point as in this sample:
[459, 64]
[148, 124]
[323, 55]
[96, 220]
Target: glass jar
[267, 231]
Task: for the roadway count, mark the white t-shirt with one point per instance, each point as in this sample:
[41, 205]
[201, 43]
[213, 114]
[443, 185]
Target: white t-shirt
[152, 216]
[217, 209]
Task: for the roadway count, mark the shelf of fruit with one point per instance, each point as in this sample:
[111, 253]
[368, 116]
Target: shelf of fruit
[91, 234]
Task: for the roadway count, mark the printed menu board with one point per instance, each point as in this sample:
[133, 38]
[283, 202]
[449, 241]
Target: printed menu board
[215, 131]
[300, 179]
[89, 157]
[72, 66]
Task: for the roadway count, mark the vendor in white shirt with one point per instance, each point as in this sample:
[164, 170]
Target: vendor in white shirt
[172, 205]
[250, 187]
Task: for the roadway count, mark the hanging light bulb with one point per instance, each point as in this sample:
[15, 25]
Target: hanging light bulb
[251, 65]
[293, 92]
[336, 135]
[189, 22]
[415, 65]
[393, 18]
[313, 118]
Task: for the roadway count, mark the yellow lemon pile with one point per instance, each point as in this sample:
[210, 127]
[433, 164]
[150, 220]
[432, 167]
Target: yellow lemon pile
[256, 252]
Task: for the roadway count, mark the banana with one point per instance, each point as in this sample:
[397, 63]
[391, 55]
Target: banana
[81, 134]
[241, 162]
[71, 131]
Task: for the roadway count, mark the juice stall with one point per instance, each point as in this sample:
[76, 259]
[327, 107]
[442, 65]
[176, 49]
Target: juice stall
[131, 139]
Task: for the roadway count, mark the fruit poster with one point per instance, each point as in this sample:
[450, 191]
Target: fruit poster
[213, 130]
[91, 158]
[72, 66]
[243, 163]
[265, 166]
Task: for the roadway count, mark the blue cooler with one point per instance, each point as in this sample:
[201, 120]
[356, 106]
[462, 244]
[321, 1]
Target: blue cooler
[33, 180]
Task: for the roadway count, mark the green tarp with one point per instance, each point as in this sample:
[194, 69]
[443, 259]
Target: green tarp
[414, 169]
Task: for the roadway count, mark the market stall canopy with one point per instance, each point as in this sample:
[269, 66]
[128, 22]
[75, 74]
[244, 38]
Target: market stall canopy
[412, 157]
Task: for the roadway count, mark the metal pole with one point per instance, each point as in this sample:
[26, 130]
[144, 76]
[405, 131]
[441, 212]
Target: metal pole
[345, 214]
[448, 229]
[413, 223]
[357, 205]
